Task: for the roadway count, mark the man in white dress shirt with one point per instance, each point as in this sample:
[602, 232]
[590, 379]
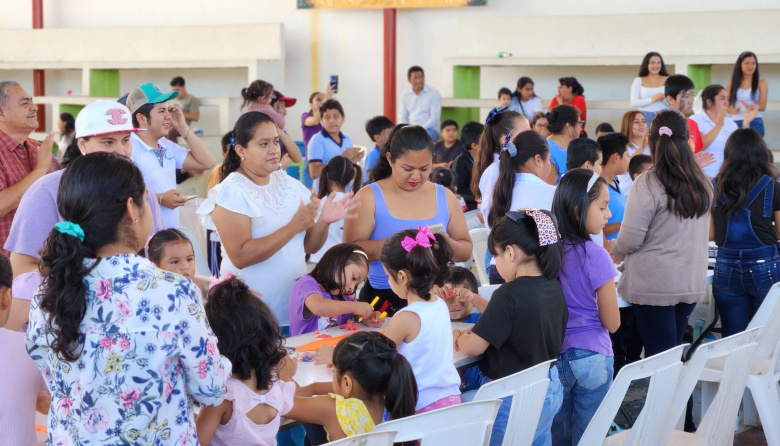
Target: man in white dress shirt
[421, 105]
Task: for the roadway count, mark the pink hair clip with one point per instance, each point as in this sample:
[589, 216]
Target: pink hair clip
[665, 131]
[423, 238]
[227, 275]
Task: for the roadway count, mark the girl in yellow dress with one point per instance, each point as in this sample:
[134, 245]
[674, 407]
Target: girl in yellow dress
[371, 384]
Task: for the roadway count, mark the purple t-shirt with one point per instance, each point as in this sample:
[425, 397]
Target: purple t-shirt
[308, 131]
[304, 287]
[586, 268]
[37, 214]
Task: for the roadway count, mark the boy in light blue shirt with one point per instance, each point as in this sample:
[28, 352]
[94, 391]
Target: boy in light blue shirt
[378, 129]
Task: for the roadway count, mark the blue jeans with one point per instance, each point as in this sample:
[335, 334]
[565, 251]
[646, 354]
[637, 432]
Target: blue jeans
[586, 377]
[648, 117]
[740, 284]
[552, 404]
[756, 124]
[433, 134]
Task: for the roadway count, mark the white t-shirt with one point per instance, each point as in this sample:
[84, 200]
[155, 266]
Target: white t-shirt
[530, 191]
[642, 97]
[159, 177]
[527, 108]
[335, 231]
[269, 207]
[430, 354]
[719, 143]
[743, 94]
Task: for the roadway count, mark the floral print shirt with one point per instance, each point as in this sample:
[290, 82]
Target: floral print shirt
[147, 352]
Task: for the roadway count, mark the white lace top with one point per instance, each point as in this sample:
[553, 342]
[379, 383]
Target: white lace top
[269, 207]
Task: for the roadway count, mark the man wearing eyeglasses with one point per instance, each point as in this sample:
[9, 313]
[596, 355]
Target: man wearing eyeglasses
[22, 160]
[157, 157]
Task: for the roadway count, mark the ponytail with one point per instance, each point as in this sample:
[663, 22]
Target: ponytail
[426, 266]
[372, 360]
[343, 171]
[521, 231]
[255, 90]
[401, 393]
[242, 133]
[526, 146]
[92, 196]
[404, 138]
[490, 144]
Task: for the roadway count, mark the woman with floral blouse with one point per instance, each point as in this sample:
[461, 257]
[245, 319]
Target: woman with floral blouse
[124, 347]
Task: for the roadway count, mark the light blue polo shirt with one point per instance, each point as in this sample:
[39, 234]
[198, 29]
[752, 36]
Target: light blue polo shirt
[557, 157]
[617, 206]
[322, 147]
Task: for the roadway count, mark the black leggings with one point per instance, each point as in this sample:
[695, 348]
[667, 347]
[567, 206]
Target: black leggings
[388, 300]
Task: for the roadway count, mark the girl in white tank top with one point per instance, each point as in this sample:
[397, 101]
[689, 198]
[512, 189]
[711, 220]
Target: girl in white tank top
[416, 261]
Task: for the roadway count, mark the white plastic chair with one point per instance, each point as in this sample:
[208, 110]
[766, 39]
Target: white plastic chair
[527, 389]
[717, 427]
[764, 372]
[370, 439]
[663, 370]
[487, 291]
[479, 238]
[466, 424]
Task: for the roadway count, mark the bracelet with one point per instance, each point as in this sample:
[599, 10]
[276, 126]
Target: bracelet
[456, 341]
[188, 133]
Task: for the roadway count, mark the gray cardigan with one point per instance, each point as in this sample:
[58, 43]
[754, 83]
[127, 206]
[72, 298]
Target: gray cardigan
[665, 257]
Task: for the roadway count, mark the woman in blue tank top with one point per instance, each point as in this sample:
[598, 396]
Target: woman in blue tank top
[401, 197]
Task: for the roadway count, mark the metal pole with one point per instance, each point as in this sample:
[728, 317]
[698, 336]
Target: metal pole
[39, 80]
[389, 62]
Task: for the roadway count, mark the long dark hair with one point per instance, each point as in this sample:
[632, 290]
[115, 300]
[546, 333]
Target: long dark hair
[687, 190]
[426, 267]
[571, 201]
[372, 360]
[70, 123]
[72, 152]
[490, 143]
[736, 77]
[242, 133]
[644, 69]
[93, 193]
[255, 90]
[571, 81]
[329, 271]
[6, 274]
[745, 161]
[528, 144]
[524, 234]
[247, 331]
[343, 171]
[404, 138]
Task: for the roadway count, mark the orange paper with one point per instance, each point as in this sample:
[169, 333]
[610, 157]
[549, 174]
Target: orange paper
[315, 345]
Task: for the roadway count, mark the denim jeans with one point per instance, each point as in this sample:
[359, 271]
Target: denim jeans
[585, 377]
[756, 124]
[648, 117]
[741, 281]
[433, 134]
[552, 404]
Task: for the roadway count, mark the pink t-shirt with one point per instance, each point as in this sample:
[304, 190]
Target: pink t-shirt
[21, 381]
[240, 430]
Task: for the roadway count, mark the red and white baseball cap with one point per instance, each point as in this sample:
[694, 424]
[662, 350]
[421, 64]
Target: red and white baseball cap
[102, 118]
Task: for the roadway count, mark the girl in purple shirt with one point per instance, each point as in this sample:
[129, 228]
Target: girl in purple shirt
[324, 297]
[581, 204]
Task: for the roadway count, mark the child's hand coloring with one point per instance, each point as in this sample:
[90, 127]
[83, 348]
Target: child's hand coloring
[373, 320]
[287, 368]
[363, 309]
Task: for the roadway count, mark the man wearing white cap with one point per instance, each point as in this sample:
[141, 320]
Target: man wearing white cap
[157, 157]
[103, 126]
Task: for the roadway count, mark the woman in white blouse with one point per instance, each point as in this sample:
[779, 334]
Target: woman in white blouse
[267, 220]
[647, 91]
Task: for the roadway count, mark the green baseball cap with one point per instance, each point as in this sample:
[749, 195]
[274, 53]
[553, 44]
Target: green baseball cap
[147, 93]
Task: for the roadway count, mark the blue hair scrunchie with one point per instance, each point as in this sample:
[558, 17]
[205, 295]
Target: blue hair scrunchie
[70, 228]
[232, 142]
[493, 113]
[511, 148]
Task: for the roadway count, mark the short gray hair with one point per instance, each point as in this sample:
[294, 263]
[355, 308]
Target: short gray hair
[4, 85]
